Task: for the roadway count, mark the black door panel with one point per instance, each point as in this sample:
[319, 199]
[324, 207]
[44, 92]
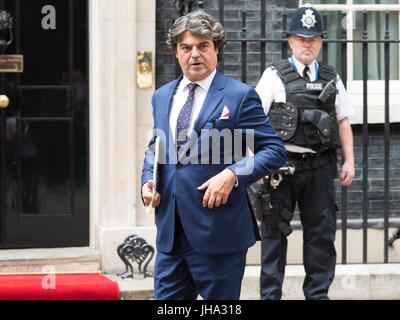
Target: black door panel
[44, 185]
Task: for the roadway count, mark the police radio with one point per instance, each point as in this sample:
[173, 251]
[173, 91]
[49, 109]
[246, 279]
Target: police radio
[329, 89]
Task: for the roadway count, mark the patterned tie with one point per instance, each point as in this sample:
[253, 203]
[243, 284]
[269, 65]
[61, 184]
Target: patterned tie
[305, 74]
[182, 123]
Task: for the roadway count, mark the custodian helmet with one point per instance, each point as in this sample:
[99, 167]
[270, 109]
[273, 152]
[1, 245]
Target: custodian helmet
[306, 22]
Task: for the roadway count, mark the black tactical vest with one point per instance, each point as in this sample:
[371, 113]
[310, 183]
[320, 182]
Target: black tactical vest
[308, 118]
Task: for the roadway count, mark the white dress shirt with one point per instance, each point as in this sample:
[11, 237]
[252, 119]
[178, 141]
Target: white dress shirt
[271, 89]
[180, 97]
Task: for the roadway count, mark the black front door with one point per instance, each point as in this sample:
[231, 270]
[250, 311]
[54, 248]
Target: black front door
[44, 130]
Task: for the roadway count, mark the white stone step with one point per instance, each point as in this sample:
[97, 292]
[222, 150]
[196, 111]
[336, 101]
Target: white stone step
[352, 282]
[60, 260]
[138, 288]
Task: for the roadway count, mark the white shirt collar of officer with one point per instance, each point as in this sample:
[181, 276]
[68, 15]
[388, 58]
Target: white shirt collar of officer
[312, 73]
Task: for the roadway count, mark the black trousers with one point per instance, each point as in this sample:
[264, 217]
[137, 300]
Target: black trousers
[314, 192]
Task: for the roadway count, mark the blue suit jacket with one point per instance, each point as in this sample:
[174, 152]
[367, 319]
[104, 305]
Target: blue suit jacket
[231, 227]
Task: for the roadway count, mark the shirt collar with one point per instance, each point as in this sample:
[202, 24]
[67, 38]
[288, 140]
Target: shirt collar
[205, 84]
[300, 66]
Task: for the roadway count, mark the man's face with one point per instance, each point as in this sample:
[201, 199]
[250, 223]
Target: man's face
[305, 49]
[197, 56]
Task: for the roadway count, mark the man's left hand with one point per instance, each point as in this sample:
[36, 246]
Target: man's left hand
[218, 189]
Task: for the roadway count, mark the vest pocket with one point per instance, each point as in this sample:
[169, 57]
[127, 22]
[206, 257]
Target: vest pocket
[284, 119]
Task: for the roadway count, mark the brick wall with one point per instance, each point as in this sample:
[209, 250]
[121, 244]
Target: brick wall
[165, 68]
[375, 173]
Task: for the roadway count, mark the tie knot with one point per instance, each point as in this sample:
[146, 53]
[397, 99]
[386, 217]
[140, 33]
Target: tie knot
[192, 87]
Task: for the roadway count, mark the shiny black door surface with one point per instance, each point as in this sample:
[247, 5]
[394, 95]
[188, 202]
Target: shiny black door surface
[44, 196]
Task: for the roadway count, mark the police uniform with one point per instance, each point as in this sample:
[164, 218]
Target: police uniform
[305, 106]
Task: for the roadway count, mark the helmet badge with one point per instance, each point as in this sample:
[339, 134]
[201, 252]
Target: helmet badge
[308, 19]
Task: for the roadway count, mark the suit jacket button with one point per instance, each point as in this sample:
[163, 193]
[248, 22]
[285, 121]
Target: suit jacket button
[179, 165]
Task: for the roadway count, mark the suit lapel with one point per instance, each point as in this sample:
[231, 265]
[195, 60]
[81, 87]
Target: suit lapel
[166, 109]
[211, 102]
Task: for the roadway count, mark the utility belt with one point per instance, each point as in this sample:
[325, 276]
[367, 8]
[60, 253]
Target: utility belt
[297, 162]
[308, 161]
[270, 211]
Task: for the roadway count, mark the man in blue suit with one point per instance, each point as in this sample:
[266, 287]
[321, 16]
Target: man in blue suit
[205, 122]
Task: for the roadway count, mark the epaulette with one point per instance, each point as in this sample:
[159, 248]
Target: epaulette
[286, 71]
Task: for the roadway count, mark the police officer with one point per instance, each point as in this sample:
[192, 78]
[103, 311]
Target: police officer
[309, 107]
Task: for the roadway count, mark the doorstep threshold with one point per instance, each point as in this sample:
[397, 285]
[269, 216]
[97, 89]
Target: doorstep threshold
[54, 260]
[43, 253]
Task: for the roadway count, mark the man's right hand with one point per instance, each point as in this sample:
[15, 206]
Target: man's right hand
[148, 196]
